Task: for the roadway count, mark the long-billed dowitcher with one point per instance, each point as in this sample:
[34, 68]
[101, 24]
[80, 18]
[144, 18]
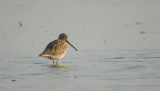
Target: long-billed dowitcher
[56, 49]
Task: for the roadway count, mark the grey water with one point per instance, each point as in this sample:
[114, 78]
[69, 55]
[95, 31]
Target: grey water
[118, 43]
[115, 70]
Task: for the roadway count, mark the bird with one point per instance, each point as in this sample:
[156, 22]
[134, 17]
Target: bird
[57, 49]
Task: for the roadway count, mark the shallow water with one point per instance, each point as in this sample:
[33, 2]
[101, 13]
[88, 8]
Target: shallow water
[115, 70]
[118, 43]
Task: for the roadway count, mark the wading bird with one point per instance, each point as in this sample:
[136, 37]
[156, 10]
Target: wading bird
[57, 49]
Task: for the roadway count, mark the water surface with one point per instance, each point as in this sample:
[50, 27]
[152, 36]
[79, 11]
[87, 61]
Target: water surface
[115, 70]
[118, 43]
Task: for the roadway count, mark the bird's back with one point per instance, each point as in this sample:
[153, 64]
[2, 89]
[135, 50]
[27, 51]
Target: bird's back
[55, 50]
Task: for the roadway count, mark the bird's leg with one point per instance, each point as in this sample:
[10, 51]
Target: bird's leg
[53, 61]
[57, 62]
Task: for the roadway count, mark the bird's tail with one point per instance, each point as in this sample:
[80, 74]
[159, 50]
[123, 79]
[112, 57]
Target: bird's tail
[40, 54]
[44, 55]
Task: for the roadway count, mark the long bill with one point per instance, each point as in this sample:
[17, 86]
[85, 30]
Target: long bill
[71, 45]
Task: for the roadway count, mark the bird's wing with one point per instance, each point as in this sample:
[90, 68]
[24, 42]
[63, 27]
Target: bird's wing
[58, 47]
[49, 48]
[54, 48]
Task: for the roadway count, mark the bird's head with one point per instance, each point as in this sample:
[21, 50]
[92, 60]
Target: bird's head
[63, 36]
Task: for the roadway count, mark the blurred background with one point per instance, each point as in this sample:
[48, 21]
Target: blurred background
[118, 43]
[97, 25]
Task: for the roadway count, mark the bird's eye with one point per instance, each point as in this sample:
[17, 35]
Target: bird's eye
[63, 37]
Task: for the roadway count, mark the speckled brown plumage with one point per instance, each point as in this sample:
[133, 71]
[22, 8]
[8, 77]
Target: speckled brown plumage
[56, 49]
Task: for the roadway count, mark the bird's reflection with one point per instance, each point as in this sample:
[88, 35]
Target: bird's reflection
[56, 66]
